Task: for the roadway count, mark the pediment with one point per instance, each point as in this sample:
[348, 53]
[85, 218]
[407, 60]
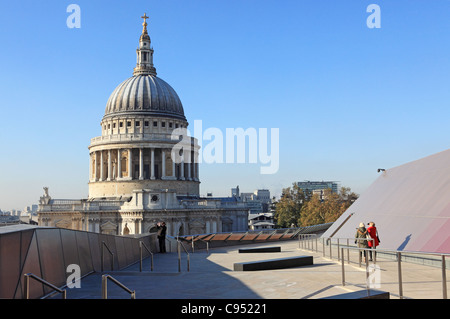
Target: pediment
[63, 223]
[108, 226]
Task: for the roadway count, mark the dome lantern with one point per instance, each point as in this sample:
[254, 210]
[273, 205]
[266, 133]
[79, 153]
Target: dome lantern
[144, 65]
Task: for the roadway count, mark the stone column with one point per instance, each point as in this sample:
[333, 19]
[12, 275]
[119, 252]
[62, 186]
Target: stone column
[152, 164]
[109, 166]
[119, 163]
[182, 168]
[137, 226]
[208, 225]
[173, 170]
[196, 175]
[90, 167]
[194, 168]
[102, 169]
[97, 226]
[90, 225]
[163, 162]
[189, 167]
[95, 167]
[94, 179]
[141, 164]
[130, 163]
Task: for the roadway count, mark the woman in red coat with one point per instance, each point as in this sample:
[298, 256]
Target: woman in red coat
[372, 231]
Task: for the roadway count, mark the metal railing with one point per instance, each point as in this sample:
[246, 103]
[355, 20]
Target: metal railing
[142, 244]
[398, 255]
[338, 240]
[203, 241]
[366, 251]
[105, 279]
[103, 255]
[307, 240]
[179, 256]
[42, 281]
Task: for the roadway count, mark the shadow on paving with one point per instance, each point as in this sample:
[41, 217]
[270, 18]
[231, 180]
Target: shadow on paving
[205, 280]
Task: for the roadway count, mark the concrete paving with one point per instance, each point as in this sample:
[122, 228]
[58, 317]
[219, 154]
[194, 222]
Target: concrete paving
[211, 276]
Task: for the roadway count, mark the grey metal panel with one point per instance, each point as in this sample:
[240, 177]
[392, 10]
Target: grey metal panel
[110, 239]
[84, 253]
[135, 249]
[128, 243]
[45, 252]
[32, 264]
[51, 257]
[26, 238]
[69, 247]
[120, 248]
[95, 250]
[10, 266]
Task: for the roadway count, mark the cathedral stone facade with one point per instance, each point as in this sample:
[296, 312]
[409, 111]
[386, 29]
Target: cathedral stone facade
[143, 167]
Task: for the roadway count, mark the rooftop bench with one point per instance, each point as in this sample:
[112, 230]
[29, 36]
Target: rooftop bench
[280, 263]
[362, 294]
[260, 250]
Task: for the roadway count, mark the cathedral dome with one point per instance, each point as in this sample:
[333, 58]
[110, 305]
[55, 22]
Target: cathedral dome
[145, 94]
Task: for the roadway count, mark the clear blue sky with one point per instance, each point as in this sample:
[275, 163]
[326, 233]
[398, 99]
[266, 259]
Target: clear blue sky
[347, 99]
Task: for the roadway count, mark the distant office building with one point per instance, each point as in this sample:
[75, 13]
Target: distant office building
[263, 195]
[30, 210]
[235, 192]
[312, 186]
[261, 221]
[258, 204]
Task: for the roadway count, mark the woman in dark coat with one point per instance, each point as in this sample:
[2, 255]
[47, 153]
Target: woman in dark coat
[361, 239]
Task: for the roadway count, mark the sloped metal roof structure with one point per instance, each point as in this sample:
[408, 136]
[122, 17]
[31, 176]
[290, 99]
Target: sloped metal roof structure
[409, 204]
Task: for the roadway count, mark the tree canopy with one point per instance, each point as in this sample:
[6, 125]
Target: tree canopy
[298, 208]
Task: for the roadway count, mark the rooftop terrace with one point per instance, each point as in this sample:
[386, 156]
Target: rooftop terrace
[211, 276]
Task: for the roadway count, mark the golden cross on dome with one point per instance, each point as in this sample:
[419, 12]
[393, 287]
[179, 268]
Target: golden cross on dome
[144, 30]
[145, 18]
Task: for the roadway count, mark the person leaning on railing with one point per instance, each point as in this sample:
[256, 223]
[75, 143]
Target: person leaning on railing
[361, 239]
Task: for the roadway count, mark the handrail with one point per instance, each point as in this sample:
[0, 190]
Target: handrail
[141, 243]
[207, 245]
[179, 256]
[105, 287]
[193, 244]
[329, 239]
[42, 281]
[304, 240]
[398, 255]
[103, 254]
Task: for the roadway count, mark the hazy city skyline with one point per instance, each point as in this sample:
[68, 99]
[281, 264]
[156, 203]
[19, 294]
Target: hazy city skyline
[347, 99]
